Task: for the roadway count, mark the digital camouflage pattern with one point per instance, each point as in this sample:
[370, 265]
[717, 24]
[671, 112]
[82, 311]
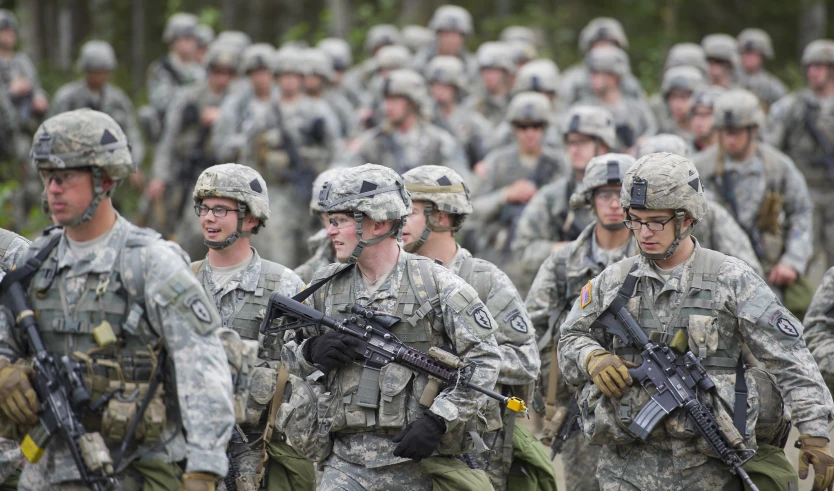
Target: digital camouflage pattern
[529, 107]
[236, 182]
[686, 54]
[12, 248]
[743, 311]
[598, 173]
[602, 29]
[179, 311]
[664, 142]
[181, 24]
[721, 47]
[416, 37]
[669, 178]
[591, 121]
[819, 327]
[441, 186]
[390, 202]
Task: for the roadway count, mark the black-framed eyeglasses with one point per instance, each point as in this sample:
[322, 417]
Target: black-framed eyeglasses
[527, 126]
[217, 211]
[651, 225]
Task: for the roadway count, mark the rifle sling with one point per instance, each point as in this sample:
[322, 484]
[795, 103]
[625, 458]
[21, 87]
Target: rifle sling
[24, 273]
[307, 292]
[280, 386]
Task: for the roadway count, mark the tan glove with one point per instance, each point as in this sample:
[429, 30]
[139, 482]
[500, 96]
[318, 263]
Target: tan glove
[814, 450]
[198, 481]
[609, 372]
[18, 400]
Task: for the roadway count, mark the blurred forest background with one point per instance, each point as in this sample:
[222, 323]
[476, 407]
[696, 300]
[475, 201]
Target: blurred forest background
[52, 31]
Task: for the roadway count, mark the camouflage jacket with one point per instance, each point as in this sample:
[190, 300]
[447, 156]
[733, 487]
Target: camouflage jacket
[632, 117]
[764, 85]
[493, 108]
[576, 85]
[503, 133]
[13, 248]
[819, 327]
[165, 76]
[719, 231]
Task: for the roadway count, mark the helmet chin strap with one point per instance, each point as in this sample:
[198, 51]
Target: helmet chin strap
[613, 227]
[680, 216]
[396, 231]
[431, 226]
[218, 245]
[98, 197]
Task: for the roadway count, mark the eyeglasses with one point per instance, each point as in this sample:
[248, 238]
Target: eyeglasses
[63, 178]
[575, 141]
[340, 221]
[217, 211]
[528, 126]
[651, 225]
[608, 195]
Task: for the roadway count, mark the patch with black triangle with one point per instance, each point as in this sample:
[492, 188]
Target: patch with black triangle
[256, 186]
[107, 138]
[444, 181]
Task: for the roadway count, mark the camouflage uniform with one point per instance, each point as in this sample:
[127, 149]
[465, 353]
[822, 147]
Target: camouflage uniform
[340, 52]
[785, 239]
[685, 78]
[764, 84]
[786, 131]
[12, 247]
[99, 56]
[743, 310]
[554, 290]
[516, 340]
[356, 80]
[723, 48]
[416, 38]
[318, 63]
[138, 273]
[361, 456]
[449, 18]
[818, 327]
[319, 244]
[492, 106]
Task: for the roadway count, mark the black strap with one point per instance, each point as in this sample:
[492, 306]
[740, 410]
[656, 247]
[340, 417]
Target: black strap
[740, 406]
[165, 64]
[24, 273]
[626, 291]
[305, 294]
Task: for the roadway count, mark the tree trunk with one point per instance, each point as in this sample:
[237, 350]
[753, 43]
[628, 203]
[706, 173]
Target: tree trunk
[30, 38]
[137, 47]
[340, 20]
[813, 17]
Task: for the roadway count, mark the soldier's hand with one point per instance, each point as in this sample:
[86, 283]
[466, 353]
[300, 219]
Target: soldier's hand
[18, 400]
[198, 481]
[155, 189]
[420, 438]
[209, 115]
[782, 275]
[331, 350]
[609, 372]
[20, 86]
[520, 191]
[814, 450]
[39, 104]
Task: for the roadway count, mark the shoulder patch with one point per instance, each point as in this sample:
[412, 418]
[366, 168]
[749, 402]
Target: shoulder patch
[482, 318]
[200, 310]
[586, 295]
[787, 327]
[518, 323]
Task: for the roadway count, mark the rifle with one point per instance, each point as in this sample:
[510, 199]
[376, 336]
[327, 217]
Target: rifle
[511, 212]
[568, 427]
[826, 160]
[61, 392]
[380, 347]
[675, 383]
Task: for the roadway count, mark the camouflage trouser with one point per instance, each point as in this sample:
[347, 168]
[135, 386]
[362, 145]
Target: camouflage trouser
[10, 458]
[284, 238]
[579, 458]
[247, 462]
[643, 467]
[165, 477]
[341, 475]
[823, 226]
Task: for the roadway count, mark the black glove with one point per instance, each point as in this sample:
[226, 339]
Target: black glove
[330, 350]
[317, 131]
[419, 439]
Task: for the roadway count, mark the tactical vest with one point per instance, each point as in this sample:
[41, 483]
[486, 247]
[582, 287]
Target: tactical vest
[247, 317]
[800, 145]
[390, 153]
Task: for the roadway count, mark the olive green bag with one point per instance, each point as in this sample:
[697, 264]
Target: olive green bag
[451, 474]
[770, 470]
[288, 469]
[798, 296]
[531, 468]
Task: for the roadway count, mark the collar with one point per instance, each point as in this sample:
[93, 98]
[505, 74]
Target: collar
[749, 167]
[390, 288]
[245, 280]
[99, 261]
[457, 262]
[681, 274]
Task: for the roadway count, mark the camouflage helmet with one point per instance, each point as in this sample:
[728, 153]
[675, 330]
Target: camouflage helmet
[222, 54]
[664, 142]
[529, 107]
[237, 38]
[289, 60]
[237, 182]
[721, 47]
[518, 33]
[84, 139]
[592, 121]
[440, 188]
[495, 55]
[608, 59]
[328, 175]
[820, 52]
[522, 51]
[392, 57]
[339, 51]
[179, 25]
[602, 29]
[603, 170]
[707, 96]
[447, 70]
[96, 56]
[368, 190]
[8, 20]
[687, 54]
[416, 37]
[318, 62]
[738, 108]
[539, 75]
[381, 35]
[685, 78]
[451, 18]
[406, 83]
[204, 34]
[757, 40]
[664, 181]
[257, 56]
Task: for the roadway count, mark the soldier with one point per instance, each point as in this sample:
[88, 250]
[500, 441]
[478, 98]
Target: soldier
[451, 25]
[82, 156]
[518, 33]
[378, 446]
[319, 244]
[318, 77]
[12, 247]
[406, 140]
[576, 81]
[342, 57]
[548, 222]
[790, 126]
[232, 203]
[358, 78]
[687, 54]
[557, 285]
[717, 230]
[679, 85]
[761, 188]
[496, 69]
[18, 74]
[663, 197]
[703, 131]
[97, 62]
[204, 35]
[522, 52]
[448, 86]
[386, 60]
[176, 69]
[633, 119]
[185, 148]
[416, 38]
[238, 39]
[509, 179]
[723, 59]
[440, 204]
[756, 47]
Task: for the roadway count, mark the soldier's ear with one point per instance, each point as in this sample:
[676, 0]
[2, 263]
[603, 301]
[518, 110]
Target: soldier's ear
[442, 219]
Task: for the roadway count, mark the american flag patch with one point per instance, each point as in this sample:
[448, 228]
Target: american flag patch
[585, 295]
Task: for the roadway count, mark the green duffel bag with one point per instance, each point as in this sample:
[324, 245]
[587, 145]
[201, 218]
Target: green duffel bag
[531, 468]
[451, 474]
